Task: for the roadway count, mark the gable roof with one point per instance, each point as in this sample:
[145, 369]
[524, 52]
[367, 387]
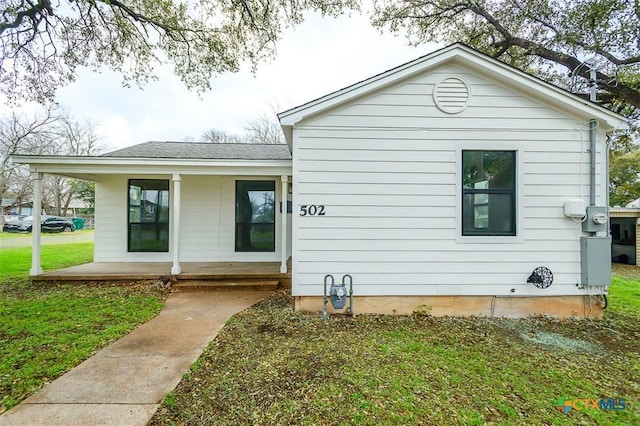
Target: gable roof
[204, 150]
[469, 57]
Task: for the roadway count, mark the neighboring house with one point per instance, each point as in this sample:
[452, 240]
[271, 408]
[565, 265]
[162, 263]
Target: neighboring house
[635, 204]
[12, 207]
[439, 186]
[625, 228]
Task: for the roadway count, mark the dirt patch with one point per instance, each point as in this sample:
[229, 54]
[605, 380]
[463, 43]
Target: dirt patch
[555, 340]
[631, 272]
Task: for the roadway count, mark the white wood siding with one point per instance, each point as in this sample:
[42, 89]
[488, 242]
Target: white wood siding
[207, 221]
[386, 168]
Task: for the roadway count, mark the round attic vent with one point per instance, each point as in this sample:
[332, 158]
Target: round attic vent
[452, 95]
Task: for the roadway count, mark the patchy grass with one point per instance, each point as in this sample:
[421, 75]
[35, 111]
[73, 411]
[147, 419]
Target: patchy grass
[271, 365]
[631, 272]
[47, 329]
[13, 235]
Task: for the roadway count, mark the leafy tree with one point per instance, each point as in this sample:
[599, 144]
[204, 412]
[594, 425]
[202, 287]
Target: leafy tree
[624, 171]
[549, 38]
[84, 191]
[559, 41]
[42, 42]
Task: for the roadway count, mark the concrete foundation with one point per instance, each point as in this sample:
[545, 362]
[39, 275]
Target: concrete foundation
[484, 306]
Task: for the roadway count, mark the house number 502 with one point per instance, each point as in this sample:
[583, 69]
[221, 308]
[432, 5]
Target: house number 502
[311, 210]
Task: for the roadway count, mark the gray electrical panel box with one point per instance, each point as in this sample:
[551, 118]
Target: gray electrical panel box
[595, 260]
[597, 219]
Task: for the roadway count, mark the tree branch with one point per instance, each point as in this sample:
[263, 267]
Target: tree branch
[620, 90]
[35, 13]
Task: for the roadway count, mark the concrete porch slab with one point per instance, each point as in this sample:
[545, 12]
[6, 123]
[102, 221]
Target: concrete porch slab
[109, 271]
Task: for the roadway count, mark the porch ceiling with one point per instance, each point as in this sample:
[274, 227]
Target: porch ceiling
[92, 168]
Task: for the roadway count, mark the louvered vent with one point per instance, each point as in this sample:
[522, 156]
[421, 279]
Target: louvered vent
[451, 95]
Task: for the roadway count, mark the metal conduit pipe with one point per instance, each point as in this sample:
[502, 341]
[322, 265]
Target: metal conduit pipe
[592, 162]
[592, 133]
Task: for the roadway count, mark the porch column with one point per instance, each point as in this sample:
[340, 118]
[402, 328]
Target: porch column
[283, 232]
[175, 269]
[36, 210]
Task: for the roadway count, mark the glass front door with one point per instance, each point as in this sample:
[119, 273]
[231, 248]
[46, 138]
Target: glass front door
[255, 215]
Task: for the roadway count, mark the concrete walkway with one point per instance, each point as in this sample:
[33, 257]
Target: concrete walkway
[125, 383]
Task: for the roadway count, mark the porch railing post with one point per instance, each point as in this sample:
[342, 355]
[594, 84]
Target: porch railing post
[176, 269]
[36, 210]
[283, 231]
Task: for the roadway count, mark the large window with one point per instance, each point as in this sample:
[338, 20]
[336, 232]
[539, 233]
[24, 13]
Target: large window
[488, 193]
[255, 215]
[148, 215]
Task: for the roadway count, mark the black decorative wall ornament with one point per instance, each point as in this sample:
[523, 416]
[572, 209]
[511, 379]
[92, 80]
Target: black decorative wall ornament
[541, 277]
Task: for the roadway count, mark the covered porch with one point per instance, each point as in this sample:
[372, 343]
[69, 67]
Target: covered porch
[247, 273]
[192, 210]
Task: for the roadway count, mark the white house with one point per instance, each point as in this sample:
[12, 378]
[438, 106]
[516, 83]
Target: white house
[438, 186]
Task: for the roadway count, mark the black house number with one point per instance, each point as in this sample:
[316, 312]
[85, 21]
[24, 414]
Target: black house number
[312, 210]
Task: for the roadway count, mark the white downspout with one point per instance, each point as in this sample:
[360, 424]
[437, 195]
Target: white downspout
[176, 269]
[36, 269]
[283, 227]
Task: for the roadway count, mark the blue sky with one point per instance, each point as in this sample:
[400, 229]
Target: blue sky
[317, 57]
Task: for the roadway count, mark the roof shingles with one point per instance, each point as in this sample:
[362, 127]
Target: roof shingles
[204, 150]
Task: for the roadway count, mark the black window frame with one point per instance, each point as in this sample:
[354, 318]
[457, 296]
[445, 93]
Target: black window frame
[240, 248]
[160, 226]
[512, 192]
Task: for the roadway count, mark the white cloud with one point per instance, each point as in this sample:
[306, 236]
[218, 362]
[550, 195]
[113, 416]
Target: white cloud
[115, 131]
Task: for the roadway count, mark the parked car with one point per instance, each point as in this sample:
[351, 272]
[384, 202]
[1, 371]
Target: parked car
[48, 224]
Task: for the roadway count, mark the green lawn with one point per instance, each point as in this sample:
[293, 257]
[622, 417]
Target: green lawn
[46, 329]
[270, 365]
[16, 262]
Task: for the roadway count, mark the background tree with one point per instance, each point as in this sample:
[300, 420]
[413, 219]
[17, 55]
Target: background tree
[51, 131]
[263, 129]
[72, 137]
[220, 136]
[624, 170]
[84, 191]
[21, 135]
[556, 40]
[42, 42]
